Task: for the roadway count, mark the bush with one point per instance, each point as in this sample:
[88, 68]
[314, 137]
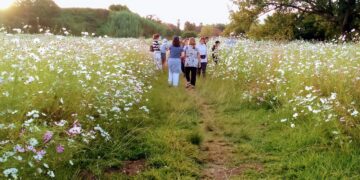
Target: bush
[188, 34]
[123, 24]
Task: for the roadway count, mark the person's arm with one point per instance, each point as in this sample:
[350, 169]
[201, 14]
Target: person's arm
[183, 55]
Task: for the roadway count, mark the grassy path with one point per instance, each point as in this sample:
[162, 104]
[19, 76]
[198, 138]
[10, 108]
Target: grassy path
[210, 133]
[217, 152]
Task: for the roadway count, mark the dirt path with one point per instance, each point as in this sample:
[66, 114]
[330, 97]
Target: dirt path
[217, 151]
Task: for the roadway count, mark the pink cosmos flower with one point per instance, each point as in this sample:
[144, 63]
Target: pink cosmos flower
[19, 148]
[31, 148]
[47, 136]
[41, 152]
[75, 130]
[60, 149]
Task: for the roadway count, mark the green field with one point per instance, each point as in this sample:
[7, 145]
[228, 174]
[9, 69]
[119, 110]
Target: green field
[96, 108]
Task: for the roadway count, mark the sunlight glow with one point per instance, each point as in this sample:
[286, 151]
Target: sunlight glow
[4, 4]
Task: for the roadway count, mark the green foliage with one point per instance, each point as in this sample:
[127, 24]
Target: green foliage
[118, 7]
[242, 19]
[278, 27]
[311, 27]
[209, 31]
[79, 20]
[151, 27]
[128, 24]
[119, 21]
[188, 34]
[123, 24]
[34, 13]
[188, 26]
[321, 20]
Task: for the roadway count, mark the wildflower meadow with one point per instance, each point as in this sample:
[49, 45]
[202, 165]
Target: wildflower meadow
[86, 107]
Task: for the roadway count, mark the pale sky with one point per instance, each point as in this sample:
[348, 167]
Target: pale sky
[206, 11]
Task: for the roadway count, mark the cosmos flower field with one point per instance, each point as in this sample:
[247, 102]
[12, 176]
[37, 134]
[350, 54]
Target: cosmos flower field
[61, 96]
[303, 81]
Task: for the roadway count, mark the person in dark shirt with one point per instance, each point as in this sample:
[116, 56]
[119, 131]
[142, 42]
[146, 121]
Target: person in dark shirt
[215, 52]
[184, 43]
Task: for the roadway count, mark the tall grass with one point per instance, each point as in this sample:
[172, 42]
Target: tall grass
[291, 108]
[70, 104]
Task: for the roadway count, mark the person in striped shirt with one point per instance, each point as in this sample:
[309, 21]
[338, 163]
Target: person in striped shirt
[155, 48]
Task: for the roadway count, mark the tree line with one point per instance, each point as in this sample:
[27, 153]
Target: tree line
[295, 19]
[36, 16]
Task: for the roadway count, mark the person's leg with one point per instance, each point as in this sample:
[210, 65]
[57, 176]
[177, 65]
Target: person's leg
[170, 79]
[163, 58]
[198, 70]
[157, 59]
[203, 68]
[187, 74]
[183, 67]
[176, 79]
[193, 75]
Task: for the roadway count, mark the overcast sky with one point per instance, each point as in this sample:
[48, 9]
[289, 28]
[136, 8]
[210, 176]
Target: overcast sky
[205, 11]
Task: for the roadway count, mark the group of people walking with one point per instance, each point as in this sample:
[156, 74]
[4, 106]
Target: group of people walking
[185, 56]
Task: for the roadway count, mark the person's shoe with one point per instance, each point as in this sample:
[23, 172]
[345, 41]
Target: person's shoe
[188, 85]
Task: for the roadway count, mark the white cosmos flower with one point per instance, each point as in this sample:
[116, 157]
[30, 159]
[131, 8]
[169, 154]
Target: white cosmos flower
[308, 88]
[33, 142]
[115, 109]
[333, 96]
[75, 130]
[355, 113]
[295, 115]
[61, 123]
[51, 174]
[11, 172]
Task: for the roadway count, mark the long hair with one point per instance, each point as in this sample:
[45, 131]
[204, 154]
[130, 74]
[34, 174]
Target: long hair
[176, 42]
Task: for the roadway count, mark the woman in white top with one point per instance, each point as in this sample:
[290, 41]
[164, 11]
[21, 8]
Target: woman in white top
[203, 56]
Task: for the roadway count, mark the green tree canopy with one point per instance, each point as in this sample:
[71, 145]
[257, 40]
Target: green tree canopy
[342, 13]
[118, 7]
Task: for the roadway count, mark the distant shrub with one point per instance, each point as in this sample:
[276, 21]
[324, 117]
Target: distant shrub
[187, 34]
[123, 24]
